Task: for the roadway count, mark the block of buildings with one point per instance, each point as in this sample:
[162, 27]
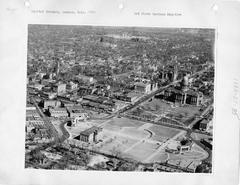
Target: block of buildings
[58, 112]
[85, 79]
[33, 118]
[125, 97]
[189, 97]
[207, 143]
[154, 86]
[59, 88]
[204, 125]
[143, 87]
[51, 103]
[169, 73]
[77, 114]
[99, 103]
[71, 86]
[75, 110]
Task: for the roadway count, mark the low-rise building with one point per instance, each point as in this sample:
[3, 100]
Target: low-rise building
[77, 114]
[72, 86]
[177, 147]
[183, 97]
[85, 90]
[89, 135]
[99, 103]
[33, 118]
[33, 122]
[35, 126]
[204, 125]
[143, 87]
[58, 112]
[75, 110]
[51, 103]
[124, 97]
[207, 143]
[59, 88]
[85, 79]
[186, 145]
[49, 95]
[32, 113]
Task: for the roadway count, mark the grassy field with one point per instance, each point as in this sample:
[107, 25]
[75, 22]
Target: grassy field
[163, 156]
[117, 144]
[136, 140]
[156, 106]
[136, 133]
[125, 122]
[162, 133]
[159, 107]
[142, 151]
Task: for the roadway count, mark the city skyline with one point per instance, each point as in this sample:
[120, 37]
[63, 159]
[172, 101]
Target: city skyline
[120, 98]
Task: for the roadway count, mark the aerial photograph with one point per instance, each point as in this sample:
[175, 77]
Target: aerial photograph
[107, 98]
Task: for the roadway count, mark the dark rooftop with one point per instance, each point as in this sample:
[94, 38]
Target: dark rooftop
[90, 130]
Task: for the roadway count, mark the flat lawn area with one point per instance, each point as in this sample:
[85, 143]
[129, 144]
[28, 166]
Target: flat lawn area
[159, 107]
[161, 157]
[118, 143]
[142, 151]
[184, 113]
[156, 106]
[118, 124]
[163, 132]
[109, 126]
[125, 122]
[135, 133]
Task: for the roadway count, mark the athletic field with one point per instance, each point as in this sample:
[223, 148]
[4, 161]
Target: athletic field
[137, 140]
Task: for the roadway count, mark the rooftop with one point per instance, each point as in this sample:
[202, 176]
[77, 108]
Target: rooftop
[90, 130]
[58, 109]
[141, 84]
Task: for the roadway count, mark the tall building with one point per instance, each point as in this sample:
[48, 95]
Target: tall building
[175, 73]
[169, 73]
[185, 83]
[57, 68]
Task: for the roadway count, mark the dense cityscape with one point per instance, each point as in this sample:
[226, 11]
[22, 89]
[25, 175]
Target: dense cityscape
[119, 98]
